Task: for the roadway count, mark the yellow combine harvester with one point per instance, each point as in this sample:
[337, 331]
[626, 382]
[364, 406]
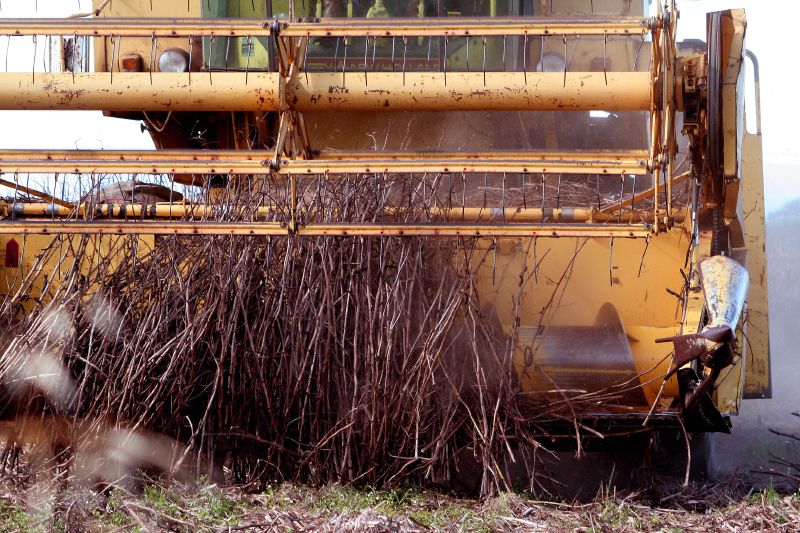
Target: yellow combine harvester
[574, 136]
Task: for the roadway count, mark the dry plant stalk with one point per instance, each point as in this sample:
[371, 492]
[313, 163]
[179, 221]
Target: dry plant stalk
[350, 359]
[338, 359]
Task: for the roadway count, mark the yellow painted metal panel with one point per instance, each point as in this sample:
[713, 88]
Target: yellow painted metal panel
[576, 278]
[259, 91]
[57, 267]
[756, 344]
[473, 91]
[136, 92]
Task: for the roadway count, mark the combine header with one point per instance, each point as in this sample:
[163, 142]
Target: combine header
[600, 171]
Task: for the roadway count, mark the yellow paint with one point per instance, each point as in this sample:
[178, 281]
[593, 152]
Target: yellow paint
[757, 353]
[142, 46]
[646, 309]
[595, 275]
[52, 272]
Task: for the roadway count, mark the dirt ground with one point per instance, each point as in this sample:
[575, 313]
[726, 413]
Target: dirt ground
[725, 506]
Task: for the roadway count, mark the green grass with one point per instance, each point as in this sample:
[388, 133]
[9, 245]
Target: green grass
[214, 506]
[619, 515]
[161, 500]
[424, 508]
[767, 496]
[15, 518]
[113, 516]
[460, 516]
[206, 505]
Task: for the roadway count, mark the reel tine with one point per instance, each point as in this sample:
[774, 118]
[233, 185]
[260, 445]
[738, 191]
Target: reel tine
[568, 62]
[597, 189]
[450, 190]
[16, 186]
[463, 194]
[525, 58]
[410, 191]
[249, 54]
[227, 52]
[504, 53]
[468, 40]
[636, 56]
[444, 61]
[152, 56]
[494, 261]
[113, 49]
[405, 50]
[191, 50]
[336, 53]
[210, 56]
[484, 60]
[543, 197]
[558, 193]
[425, 196]
[344, 61]
[611, 262]
[503, 197]
[366, 53]
[485, 186]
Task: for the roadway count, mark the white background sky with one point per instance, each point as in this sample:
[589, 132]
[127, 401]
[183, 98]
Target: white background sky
[770, 34]
[57, 129]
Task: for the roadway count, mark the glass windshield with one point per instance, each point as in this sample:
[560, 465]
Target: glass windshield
[418, 53]
[491, 130]
[238, 53]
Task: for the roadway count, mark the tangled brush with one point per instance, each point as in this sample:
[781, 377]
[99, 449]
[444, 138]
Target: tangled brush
[355, 359]
[366, 360]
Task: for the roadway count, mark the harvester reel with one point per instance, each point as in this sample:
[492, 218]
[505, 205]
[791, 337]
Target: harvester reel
[300, 180]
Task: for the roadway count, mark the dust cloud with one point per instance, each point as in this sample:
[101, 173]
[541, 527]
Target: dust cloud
[751, 445]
